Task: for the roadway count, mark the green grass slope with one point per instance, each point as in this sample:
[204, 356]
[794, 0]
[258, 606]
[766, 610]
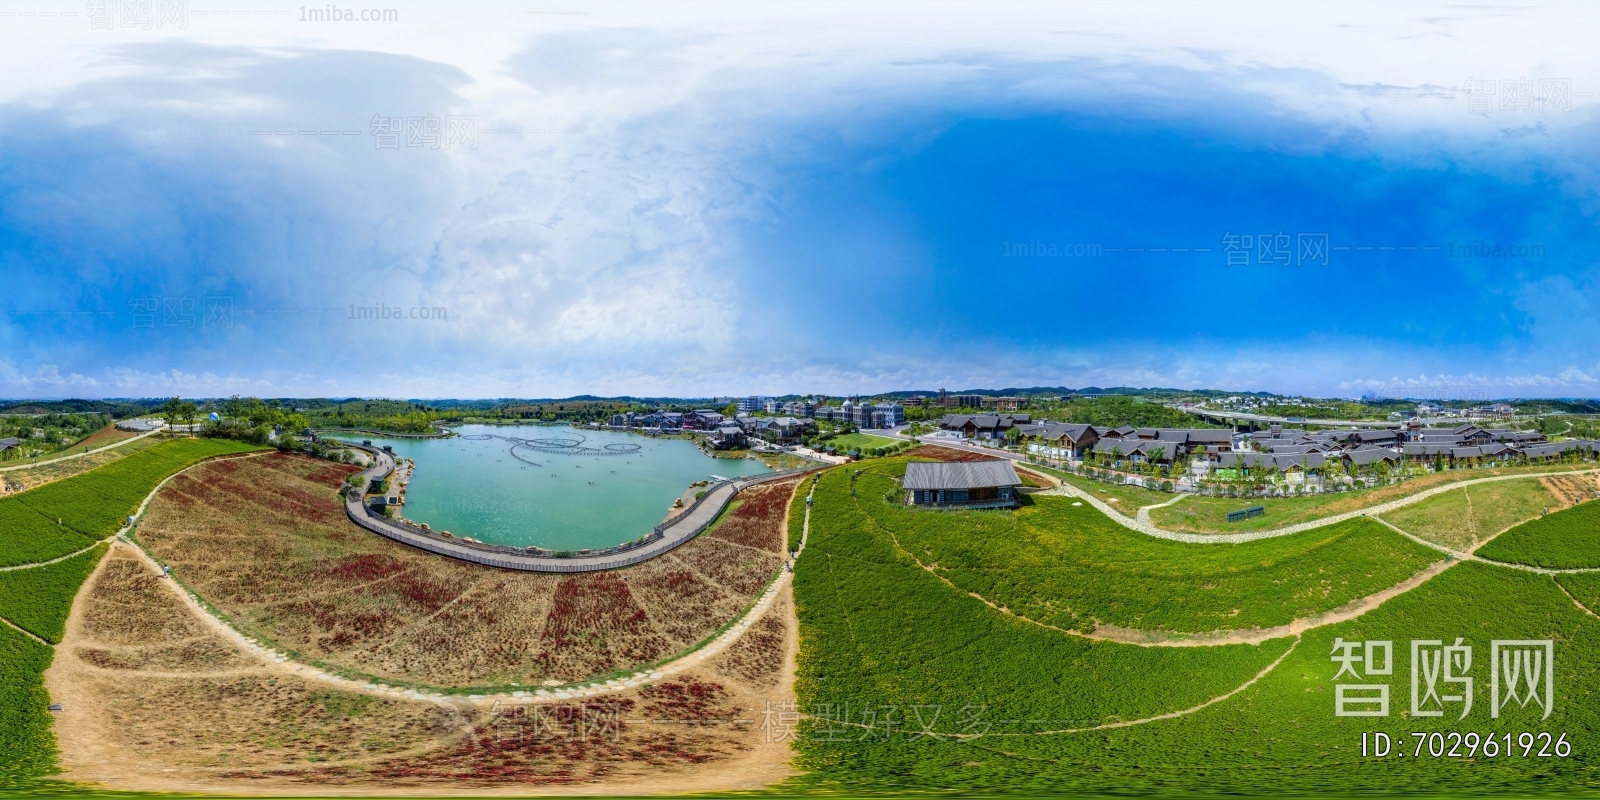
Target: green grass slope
[1567, 539]
[38, 600]
[97, 503]
[27, 745]
[1070, 566]
[1279, 736]
[887, 646]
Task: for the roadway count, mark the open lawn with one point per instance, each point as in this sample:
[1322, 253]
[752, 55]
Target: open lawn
[1071, 567]
[1469, 516]
[1209, 514]
[861, 441]
[266, 541]
[1124, 498]
[1568, 539]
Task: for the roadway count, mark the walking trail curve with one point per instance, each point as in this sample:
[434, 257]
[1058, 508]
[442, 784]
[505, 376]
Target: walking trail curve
[1143, 524]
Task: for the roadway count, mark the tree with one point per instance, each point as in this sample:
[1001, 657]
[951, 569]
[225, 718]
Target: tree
[173, 410]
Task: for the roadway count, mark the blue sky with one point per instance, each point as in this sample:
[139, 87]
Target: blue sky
[800, 198]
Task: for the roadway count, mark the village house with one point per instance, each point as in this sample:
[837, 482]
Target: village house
[1060, 439]
[984, 426]
[962, 484]
[728, 437]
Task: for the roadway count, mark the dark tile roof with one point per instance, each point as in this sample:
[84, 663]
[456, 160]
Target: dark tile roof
[960, 474]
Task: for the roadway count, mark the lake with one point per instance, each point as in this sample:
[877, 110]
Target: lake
[556, 487]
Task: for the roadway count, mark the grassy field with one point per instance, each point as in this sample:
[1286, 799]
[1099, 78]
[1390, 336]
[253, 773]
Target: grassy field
[38, 600]
[1124, 498]
[1279, 736]
[884, 641]
[266, 542]
[27, 746]
[1469, 516]
[1071, 567]
[1209, 514]
[1568, 539]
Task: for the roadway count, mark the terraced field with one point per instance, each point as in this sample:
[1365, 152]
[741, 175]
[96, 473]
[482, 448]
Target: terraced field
[267, 543]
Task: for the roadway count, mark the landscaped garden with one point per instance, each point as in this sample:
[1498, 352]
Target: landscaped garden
[1204, 514]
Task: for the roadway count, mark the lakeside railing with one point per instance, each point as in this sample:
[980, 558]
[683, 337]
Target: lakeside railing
[540, 559]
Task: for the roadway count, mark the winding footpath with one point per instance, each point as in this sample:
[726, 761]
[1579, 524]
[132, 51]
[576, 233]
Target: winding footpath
[1142, 522]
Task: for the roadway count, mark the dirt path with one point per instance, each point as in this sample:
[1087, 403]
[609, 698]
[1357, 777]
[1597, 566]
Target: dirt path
[55, 560]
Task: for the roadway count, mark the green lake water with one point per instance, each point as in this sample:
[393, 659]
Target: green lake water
[570, 489]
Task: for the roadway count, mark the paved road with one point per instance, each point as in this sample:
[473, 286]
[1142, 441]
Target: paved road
[681, 530]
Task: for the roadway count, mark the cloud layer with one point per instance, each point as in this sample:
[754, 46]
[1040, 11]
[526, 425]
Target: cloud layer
[788, 199]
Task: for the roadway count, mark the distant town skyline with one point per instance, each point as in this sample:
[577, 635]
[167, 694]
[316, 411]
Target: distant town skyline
[474, 202]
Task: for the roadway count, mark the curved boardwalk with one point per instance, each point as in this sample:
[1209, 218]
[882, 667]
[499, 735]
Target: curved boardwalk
[679, 530]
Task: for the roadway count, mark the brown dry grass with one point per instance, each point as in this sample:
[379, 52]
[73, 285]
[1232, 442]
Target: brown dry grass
[108, 435]
[1571, 489]
[266, 541]
[228, 721]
